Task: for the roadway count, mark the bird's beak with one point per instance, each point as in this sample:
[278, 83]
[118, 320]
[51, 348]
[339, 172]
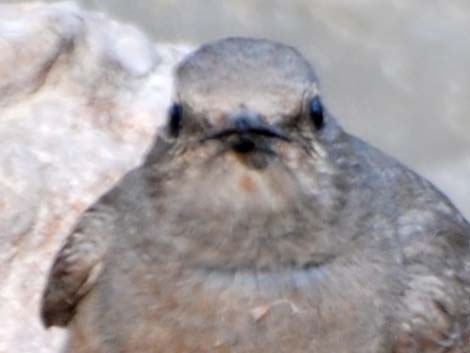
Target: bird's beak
[246, 125]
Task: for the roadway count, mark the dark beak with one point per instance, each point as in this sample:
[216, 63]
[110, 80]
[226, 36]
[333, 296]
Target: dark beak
[246, 125]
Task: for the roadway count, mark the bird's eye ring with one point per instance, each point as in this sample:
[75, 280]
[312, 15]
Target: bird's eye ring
[175, 116]
[316, 112]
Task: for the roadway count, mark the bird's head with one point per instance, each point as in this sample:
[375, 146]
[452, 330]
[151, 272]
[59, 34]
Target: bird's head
[250, 97]
[248, 140]
[250, 102]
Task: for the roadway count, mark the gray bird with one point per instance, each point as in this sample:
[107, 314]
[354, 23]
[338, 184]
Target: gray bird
[257, 224]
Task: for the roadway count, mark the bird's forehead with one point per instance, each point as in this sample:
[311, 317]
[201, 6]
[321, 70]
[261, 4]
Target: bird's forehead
[269, 78]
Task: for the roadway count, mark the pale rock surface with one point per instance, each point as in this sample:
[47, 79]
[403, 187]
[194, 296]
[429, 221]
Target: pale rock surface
[81, 97]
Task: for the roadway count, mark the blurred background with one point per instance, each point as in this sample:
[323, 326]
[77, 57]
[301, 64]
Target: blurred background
[394, 72]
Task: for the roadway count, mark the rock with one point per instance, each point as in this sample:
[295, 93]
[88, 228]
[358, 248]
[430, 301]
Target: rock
[81, 97]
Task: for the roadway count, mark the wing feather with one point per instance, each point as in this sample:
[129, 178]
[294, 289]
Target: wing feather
[76, 267]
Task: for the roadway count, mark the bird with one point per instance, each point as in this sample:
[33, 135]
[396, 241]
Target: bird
[256, 223]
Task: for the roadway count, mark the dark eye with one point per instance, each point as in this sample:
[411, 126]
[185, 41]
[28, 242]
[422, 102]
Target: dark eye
[316, 112]
[174, 123]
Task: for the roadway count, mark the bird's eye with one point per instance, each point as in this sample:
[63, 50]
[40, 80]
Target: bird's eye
[316, 112]
[175, 116]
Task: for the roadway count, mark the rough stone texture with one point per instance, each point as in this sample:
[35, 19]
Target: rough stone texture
[81, 97]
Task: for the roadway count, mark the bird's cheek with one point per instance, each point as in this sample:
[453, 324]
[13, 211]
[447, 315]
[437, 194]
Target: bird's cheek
[290, 155]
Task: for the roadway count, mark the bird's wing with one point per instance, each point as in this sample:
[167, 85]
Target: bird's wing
[435, 312]
[76, 266]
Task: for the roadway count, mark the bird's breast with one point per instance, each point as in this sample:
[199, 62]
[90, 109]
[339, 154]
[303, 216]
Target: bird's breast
[172, 309]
